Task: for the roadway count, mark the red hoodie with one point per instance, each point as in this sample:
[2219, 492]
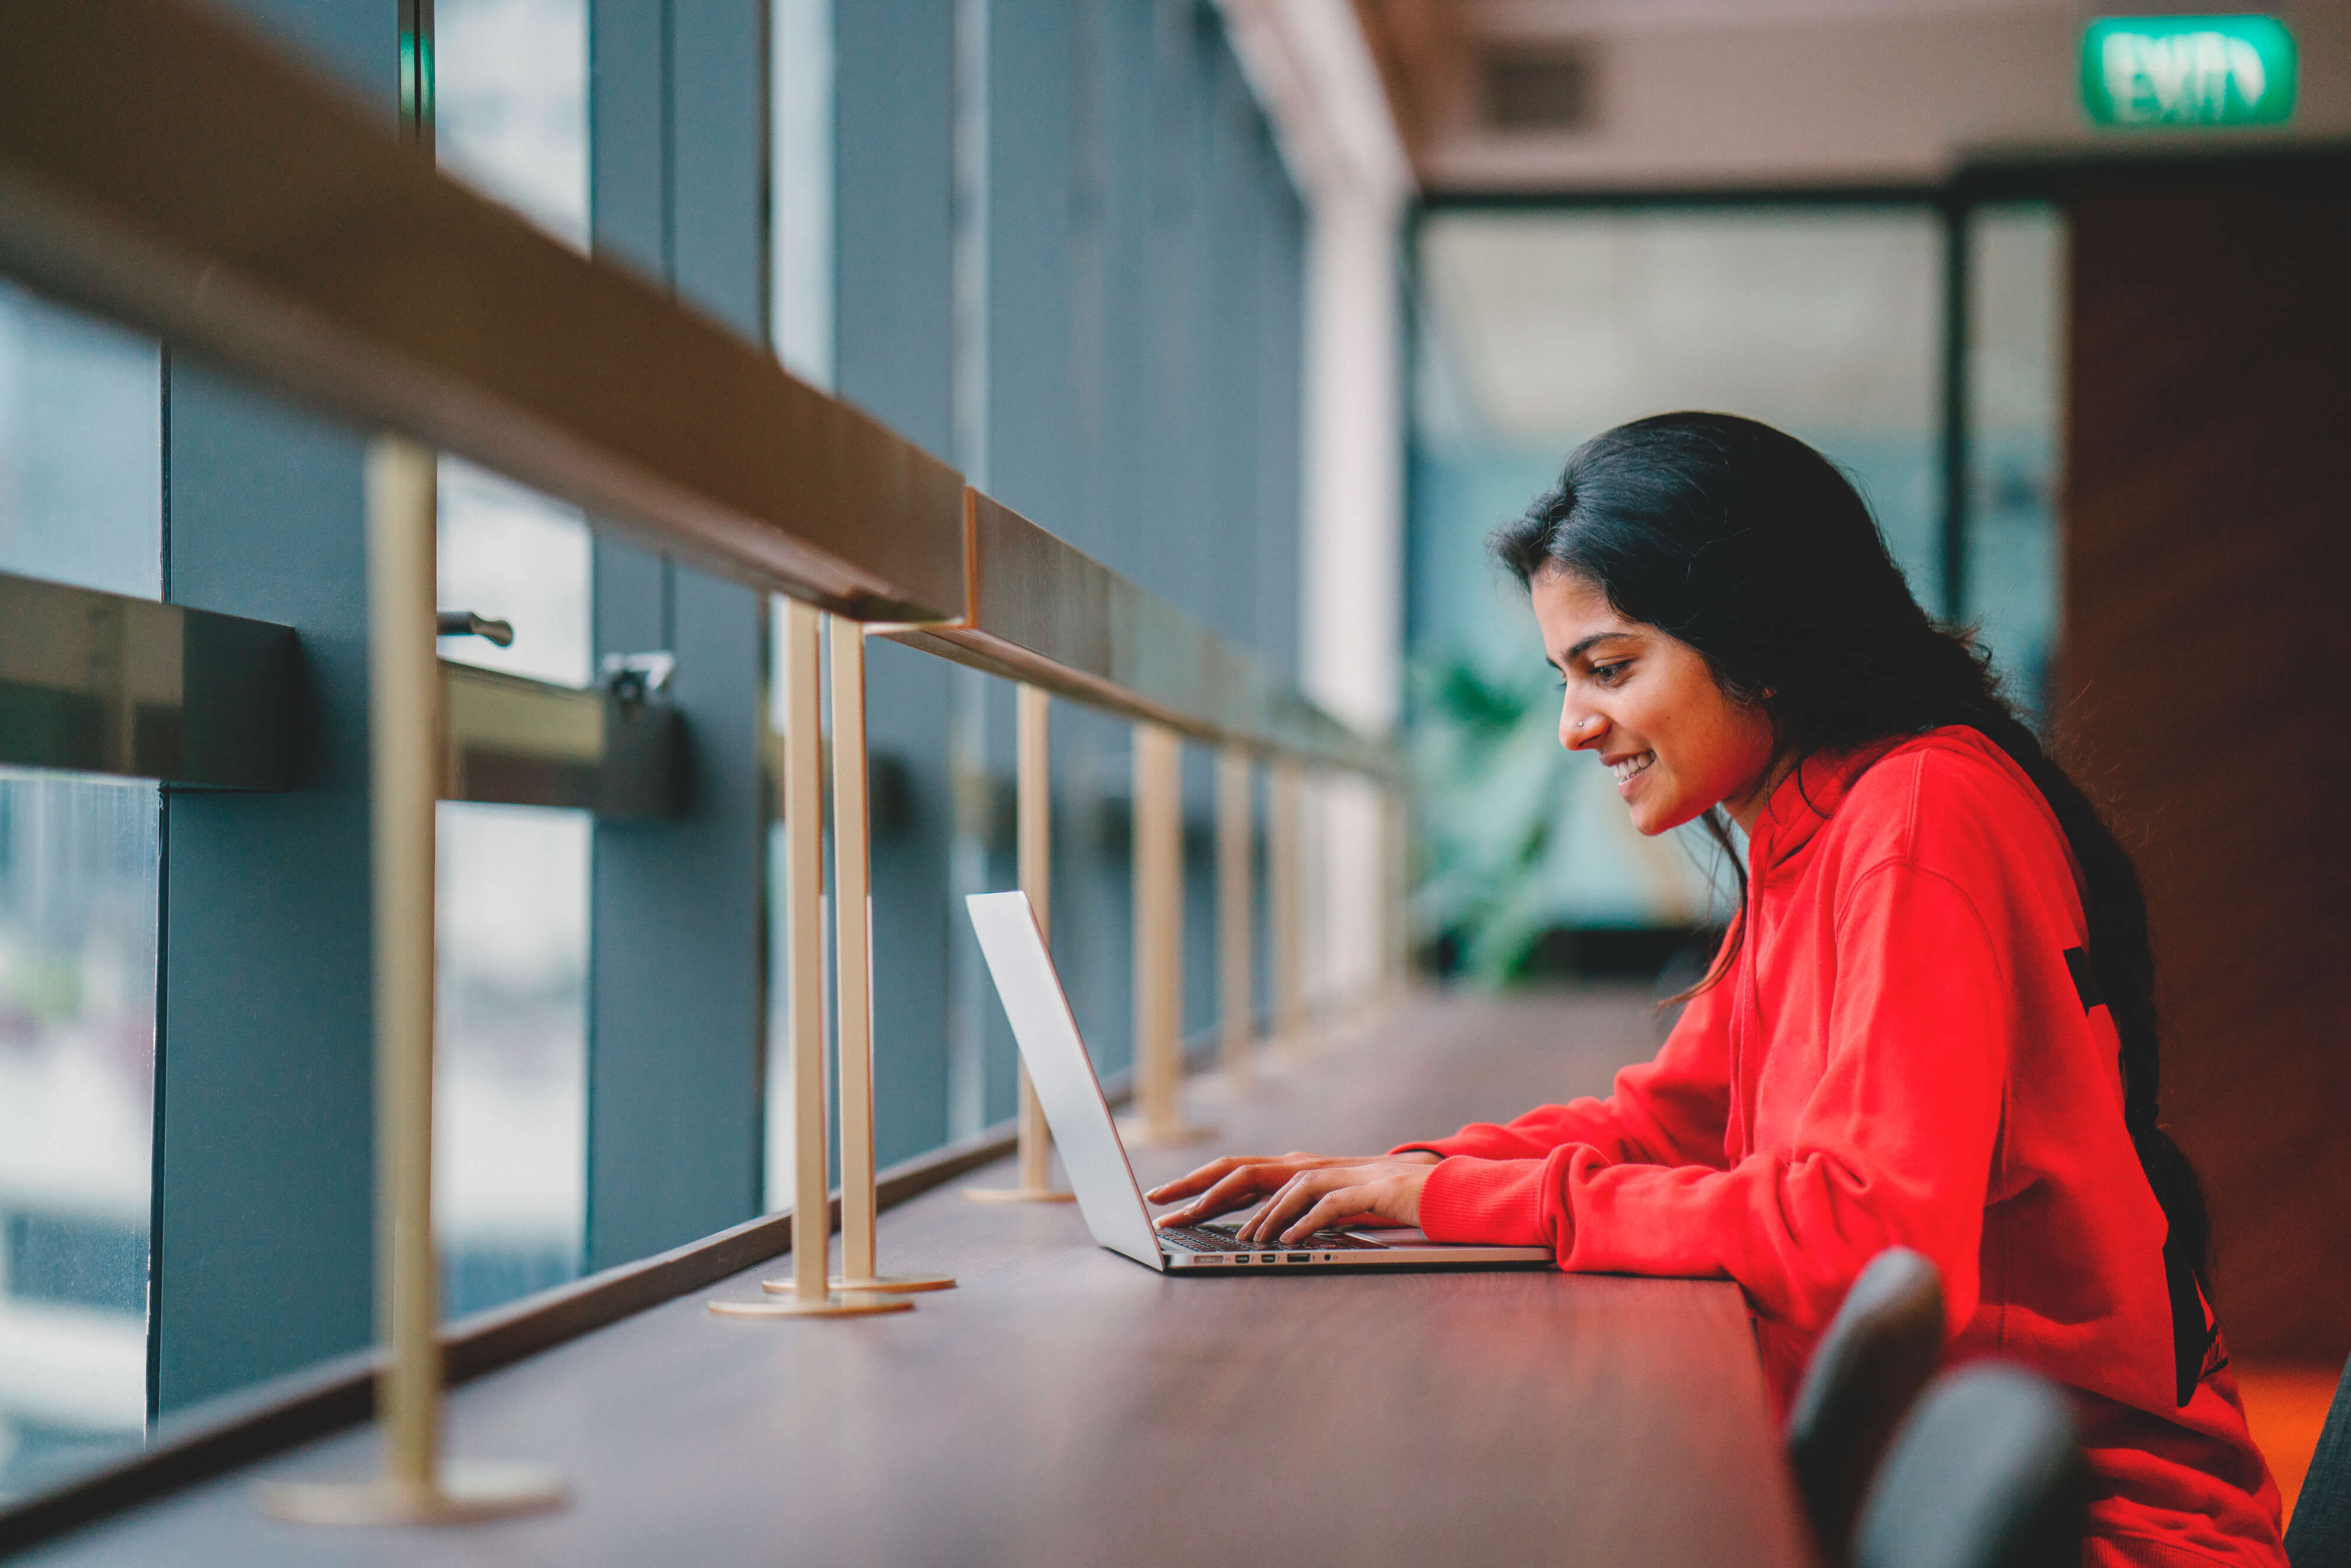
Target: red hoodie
[1900, 1055]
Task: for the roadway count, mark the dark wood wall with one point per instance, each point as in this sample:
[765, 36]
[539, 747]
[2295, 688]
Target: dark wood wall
[2206, 691]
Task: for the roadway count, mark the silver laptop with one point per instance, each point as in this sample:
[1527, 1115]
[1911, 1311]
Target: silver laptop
[1107, 1193]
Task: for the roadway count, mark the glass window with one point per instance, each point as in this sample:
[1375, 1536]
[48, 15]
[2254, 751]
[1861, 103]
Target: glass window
[511, 1171]
[1539, 329]
[2016, 373]
[77, 914]
[800, 164]
[511, 116]
[510, 105]
[778, 1141]
[81, 502]
[514, 555]
[776, 1182]
[799, 312]
[81, 449]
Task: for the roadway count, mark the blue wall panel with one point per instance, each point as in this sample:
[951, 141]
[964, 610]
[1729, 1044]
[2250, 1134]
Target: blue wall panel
[678, 971]
[263, 1229]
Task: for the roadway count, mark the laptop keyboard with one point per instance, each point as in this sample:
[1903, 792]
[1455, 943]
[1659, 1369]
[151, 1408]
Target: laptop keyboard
[1220, 1239]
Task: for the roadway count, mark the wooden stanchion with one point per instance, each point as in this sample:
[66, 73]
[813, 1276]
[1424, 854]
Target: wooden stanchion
[1159, 942]
[808, 1293]
[1235, 938]
[417, 1487]
[852, 947]
[1034, 705]
[1285, 873]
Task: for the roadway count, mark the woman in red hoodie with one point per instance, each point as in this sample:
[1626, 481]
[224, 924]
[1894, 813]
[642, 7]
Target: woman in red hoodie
[1931, 1024]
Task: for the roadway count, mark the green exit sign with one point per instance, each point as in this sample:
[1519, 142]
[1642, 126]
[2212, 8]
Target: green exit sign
[2187, 70]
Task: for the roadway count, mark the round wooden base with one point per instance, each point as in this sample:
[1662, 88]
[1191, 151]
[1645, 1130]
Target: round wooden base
[467, 1492]
[891, 1284]
[790, 1306]
[1019, 1195]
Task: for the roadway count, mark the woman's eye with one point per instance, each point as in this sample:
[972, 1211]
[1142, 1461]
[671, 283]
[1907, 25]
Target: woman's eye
[1609, 675]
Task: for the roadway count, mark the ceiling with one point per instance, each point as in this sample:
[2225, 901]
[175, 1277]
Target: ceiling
[1573, 95]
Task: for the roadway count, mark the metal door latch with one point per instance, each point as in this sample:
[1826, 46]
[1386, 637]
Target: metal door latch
[466, 624]
[635, 678]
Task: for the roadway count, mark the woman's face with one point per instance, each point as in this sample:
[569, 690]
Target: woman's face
[1648, 705]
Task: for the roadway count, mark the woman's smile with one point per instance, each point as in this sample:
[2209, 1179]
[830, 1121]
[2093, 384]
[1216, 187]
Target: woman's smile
[1648, 706]
[1628, 769]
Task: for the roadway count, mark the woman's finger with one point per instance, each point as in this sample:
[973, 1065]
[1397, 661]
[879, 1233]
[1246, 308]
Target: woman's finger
[1249, 1229]
[1198, 1181]
[1296, 1196]
[1206, 1176]
[1332, 1211]
[1238, 1189]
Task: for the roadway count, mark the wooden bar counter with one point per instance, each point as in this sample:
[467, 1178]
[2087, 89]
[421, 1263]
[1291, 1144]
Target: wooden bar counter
[1067, 1408]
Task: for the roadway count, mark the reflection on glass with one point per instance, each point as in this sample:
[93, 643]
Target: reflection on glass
[1539, 329]
[510, 1163]
[77, 909]
[2016, 370]
[510, 105]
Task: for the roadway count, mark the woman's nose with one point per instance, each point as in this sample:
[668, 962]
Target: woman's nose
[1578, 730]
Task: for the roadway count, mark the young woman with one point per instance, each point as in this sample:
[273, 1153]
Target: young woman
[1931, 1023]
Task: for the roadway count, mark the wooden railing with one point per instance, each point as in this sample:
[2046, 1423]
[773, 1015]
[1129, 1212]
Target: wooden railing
[164, 168]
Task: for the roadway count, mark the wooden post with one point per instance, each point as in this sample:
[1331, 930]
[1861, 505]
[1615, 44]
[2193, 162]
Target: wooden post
[1159, 940]
[806, 1294]
[1286, 873]
[405, 677]
[852, 947]
[404, 739]
[1236, 946]
[1034, 705]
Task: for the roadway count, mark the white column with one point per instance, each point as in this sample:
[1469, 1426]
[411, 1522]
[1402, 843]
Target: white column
[1311, 66]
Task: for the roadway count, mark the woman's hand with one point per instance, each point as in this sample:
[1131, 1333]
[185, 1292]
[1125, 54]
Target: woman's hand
[1310, 1192]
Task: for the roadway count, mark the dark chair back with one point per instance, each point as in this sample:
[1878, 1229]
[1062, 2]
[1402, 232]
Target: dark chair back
[1877, 1353]
[1986, 1473]
[2320, 1535]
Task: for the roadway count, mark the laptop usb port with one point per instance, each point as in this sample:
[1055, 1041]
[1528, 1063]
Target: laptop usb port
[1301, 1257]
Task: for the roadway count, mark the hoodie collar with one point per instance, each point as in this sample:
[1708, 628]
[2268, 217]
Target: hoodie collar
[1810, 795]
[1805, 799]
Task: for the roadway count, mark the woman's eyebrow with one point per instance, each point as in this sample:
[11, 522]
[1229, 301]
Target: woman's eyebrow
[1578, 651]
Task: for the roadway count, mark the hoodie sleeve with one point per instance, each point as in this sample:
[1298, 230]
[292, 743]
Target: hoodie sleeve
[1894, 1146]
[1667, 1112]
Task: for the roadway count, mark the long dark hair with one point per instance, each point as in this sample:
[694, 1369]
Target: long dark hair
[1757, 551]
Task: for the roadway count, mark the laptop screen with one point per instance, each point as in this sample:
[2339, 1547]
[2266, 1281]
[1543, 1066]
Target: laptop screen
[1032, 992]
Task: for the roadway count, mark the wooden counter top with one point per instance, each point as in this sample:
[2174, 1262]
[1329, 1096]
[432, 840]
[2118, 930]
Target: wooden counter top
[1067, 1406]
